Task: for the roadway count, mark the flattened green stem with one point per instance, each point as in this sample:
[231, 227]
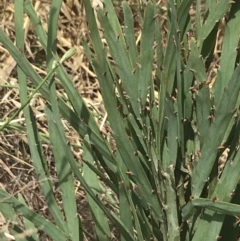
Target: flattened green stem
[40, 222]
[54, 67]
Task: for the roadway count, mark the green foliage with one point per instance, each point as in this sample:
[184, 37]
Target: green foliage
[164, 170]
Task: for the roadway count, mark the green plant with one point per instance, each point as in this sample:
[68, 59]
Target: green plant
[161, 158]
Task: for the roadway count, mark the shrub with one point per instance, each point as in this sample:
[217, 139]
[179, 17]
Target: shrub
[168, 165]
